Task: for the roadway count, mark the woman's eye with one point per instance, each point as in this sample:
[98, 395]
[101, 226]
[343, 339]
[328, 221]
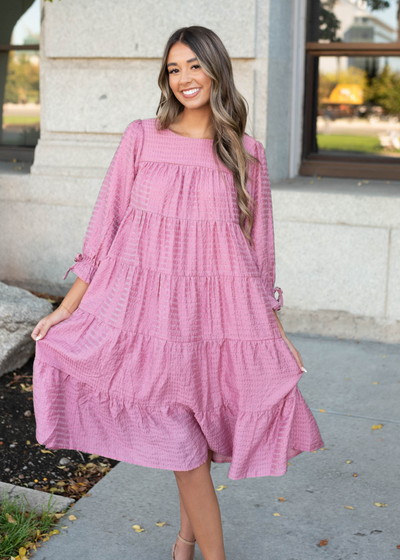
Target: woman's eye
[173, 70]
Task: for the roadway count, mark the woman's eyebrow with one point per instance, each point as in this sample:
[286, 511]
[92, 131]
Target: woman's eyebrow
[175, 63]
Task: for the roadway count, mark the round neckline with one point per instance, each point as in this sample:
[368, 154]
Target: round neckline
[188, 137]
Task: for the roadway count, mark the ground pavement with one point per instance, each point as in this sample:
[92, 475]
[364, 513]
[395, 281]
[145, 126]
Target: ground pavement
[357, 384]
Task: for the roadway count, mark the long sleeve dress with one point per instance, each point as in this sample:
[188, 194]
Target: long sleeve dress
[174, 348]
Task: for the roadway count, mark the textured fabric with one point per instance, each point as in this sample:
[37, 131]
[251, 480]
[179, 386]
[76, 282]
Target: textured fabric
[174, 347]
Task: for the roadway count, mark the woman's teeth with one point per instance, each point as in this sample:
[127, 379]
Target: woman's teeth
[190, 91]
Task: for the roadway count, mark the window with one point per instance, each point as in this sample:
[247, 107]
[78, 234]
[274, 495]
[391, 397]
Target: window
[352, 89]
[19, 80]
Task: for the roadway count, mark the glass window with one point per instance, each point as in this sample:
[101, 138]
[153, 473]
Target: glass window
[359, 106]
[19, 76]
[354, 21]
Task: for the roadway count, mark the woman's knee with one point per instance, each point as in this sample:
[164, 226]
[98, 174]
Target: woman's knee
[191, 473]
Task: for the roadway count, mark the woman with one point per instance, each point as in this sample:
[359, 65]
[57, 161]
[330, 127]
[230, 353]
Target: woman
[167, 350]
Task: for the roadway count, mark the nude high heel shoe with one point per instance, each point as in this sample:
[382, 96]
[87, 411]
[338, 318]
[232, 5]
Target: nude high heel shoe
[185, 541]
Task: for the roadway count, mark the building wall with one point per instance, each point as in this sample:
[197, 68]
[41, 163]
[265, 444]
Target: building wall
[279, 87]
[338, 256]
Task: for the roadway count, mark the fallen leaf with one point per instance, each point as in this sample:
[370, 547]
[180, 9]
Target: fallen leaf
[348, 507]
[137, 528]
[277, 514]
[46, 451]
[374, 383]
[59, 515]
[28, 442]
[321, 410]
[380, 505]
[161, 524]
[220, 487]
[22, 552]
[72, 517]
[355, 474]
[26, 388]
[288, 463]
[66, 527]
[324, 542]
[349, 461]
[376, 426]
[281, 499]
[10, 518]
[93, 456]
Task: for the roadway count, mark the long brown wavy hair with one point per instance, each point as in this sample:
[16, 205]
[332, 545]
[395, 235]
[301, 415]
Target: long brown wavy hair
[229, 109]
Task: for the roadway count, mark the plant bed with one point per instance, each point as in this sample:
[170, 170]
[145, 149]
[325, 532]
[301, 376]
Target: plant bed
[28, 464]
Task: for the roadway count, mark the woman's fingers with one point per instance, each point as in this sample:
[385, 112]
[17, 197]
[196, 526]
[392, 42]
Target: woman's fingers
[302, 365]
[41, 329]
[296, 355]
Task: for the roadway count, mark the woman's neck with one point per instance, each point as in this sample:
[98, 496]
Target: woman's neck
[194, 123]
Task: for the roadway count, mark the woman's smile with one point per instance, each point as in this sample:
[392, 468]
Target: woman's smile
[189, 93]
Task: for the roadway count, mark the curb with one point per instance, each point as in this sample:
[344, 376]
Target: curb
[31, 499]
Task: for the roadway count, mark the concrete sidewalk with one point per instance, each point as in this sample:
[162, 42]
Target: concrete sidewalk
[341, 379]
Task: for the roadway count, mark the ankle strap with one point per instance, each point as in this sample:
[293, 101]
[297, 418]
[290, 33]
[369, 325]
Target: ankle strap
[185, 541]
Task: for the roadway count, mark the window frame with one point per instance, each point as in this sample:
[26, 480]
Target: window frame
[9, 152]
[313, 163]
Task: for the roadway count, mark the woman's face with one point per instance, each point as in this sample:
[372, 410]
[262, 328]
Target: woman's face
[191, 86]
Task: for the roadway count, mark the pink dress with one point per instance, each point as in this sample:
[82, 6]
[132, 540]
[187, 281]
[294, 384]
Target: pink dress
[174, 347]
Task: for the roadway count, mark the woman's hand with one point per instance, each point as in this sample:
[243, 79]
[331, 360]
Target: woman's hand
[58, 315]
[295, 353]
[293, 350]
[69, 304]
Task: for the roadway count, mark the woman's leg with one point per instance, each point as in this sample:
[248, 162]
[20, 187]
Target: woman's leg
[186, 529]
[200, 513]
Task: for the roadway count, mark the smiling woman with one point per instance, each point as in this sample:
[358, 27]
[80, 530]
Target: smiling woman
[167, 352]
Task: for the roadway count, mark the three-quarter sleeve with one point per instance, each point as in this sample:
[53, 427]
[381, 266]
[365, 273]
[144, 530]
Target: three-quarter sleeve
[111, 204]
[263, 229]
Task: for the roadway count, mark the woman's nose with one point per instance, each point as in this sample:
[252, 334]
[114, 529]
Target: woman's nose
[185, 77]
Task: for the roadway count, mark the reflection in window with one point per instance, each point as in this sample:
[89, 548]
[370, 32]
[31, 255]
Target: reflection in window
[21, 108]
[359, 106]
[364, 21]
[19, 75]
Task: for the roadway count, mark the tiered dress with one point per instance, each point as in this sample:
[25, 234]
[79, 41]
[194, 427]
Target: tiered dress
[174, 348]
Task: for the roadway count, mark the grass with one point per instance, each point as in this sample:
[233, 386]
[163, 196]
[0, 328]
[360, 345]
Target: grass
[349, 143]
[20, 531]
[21, 119]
